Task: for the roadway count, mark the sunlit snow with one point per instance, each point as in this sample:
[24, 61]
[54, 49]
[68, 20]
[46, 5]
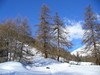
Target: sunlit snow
[42, 66]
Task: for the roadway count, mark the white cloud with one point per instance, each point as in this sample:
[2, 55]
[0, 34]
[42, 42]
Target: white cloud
[75, 29]
[98, 17]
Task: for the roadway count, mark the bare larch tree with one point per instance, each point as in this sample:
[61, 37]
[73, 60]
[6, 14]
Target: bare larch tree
[44, 28]
[60, 34]
[90, 38]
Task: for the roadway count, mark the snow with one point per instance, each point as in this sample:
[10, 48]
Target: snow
[81, 51]
[11, 67]
[41, 61]
[81, 63]
[15, 66]
[42, 66]
[84, 52]
[51, 68]
[73, 62]
[66, 69]
[86, 63]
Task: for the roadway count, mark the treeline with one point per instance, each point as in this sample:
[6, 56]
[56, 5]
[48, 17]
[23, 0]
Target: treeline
[14, 34]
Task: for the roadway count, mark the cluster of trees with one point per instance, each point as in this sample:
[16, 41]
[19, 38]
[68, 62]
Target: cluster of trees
[51, 33]
[14, 34]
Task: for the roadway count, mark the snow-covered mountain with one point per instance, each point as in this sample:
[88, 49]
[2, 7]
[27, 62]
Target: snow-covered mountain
[81, 52]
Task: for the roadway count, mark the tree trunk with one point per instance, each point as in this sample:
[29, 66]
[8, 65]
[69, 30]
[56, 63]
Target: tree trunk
[20, 55]
[58, 45]
[94, 44]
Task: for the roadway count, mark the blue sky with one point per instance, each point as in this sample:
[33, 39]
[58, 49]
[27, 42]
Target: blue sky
[71, 9]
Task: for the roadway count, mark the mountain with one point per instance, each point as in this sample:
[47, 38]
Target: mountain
[81, 52]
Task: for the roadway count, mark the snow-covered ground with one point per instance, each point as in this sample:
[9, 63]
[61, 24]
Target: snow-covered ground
[42, 66]
[51, 68]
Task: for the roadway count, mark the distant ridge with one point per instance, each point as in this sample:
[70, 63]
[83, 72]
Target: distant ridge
[81, 52]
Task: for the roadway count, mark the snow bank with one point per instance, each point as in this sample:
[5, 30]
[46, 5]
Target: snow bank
[12, 66]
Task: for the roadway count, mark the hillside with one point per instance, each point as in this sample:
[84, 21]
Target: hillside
[81, 52]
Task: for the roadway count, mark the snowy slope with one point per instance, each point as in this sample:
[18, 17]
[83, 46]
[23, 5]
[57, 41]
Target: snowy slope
[81, 51]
